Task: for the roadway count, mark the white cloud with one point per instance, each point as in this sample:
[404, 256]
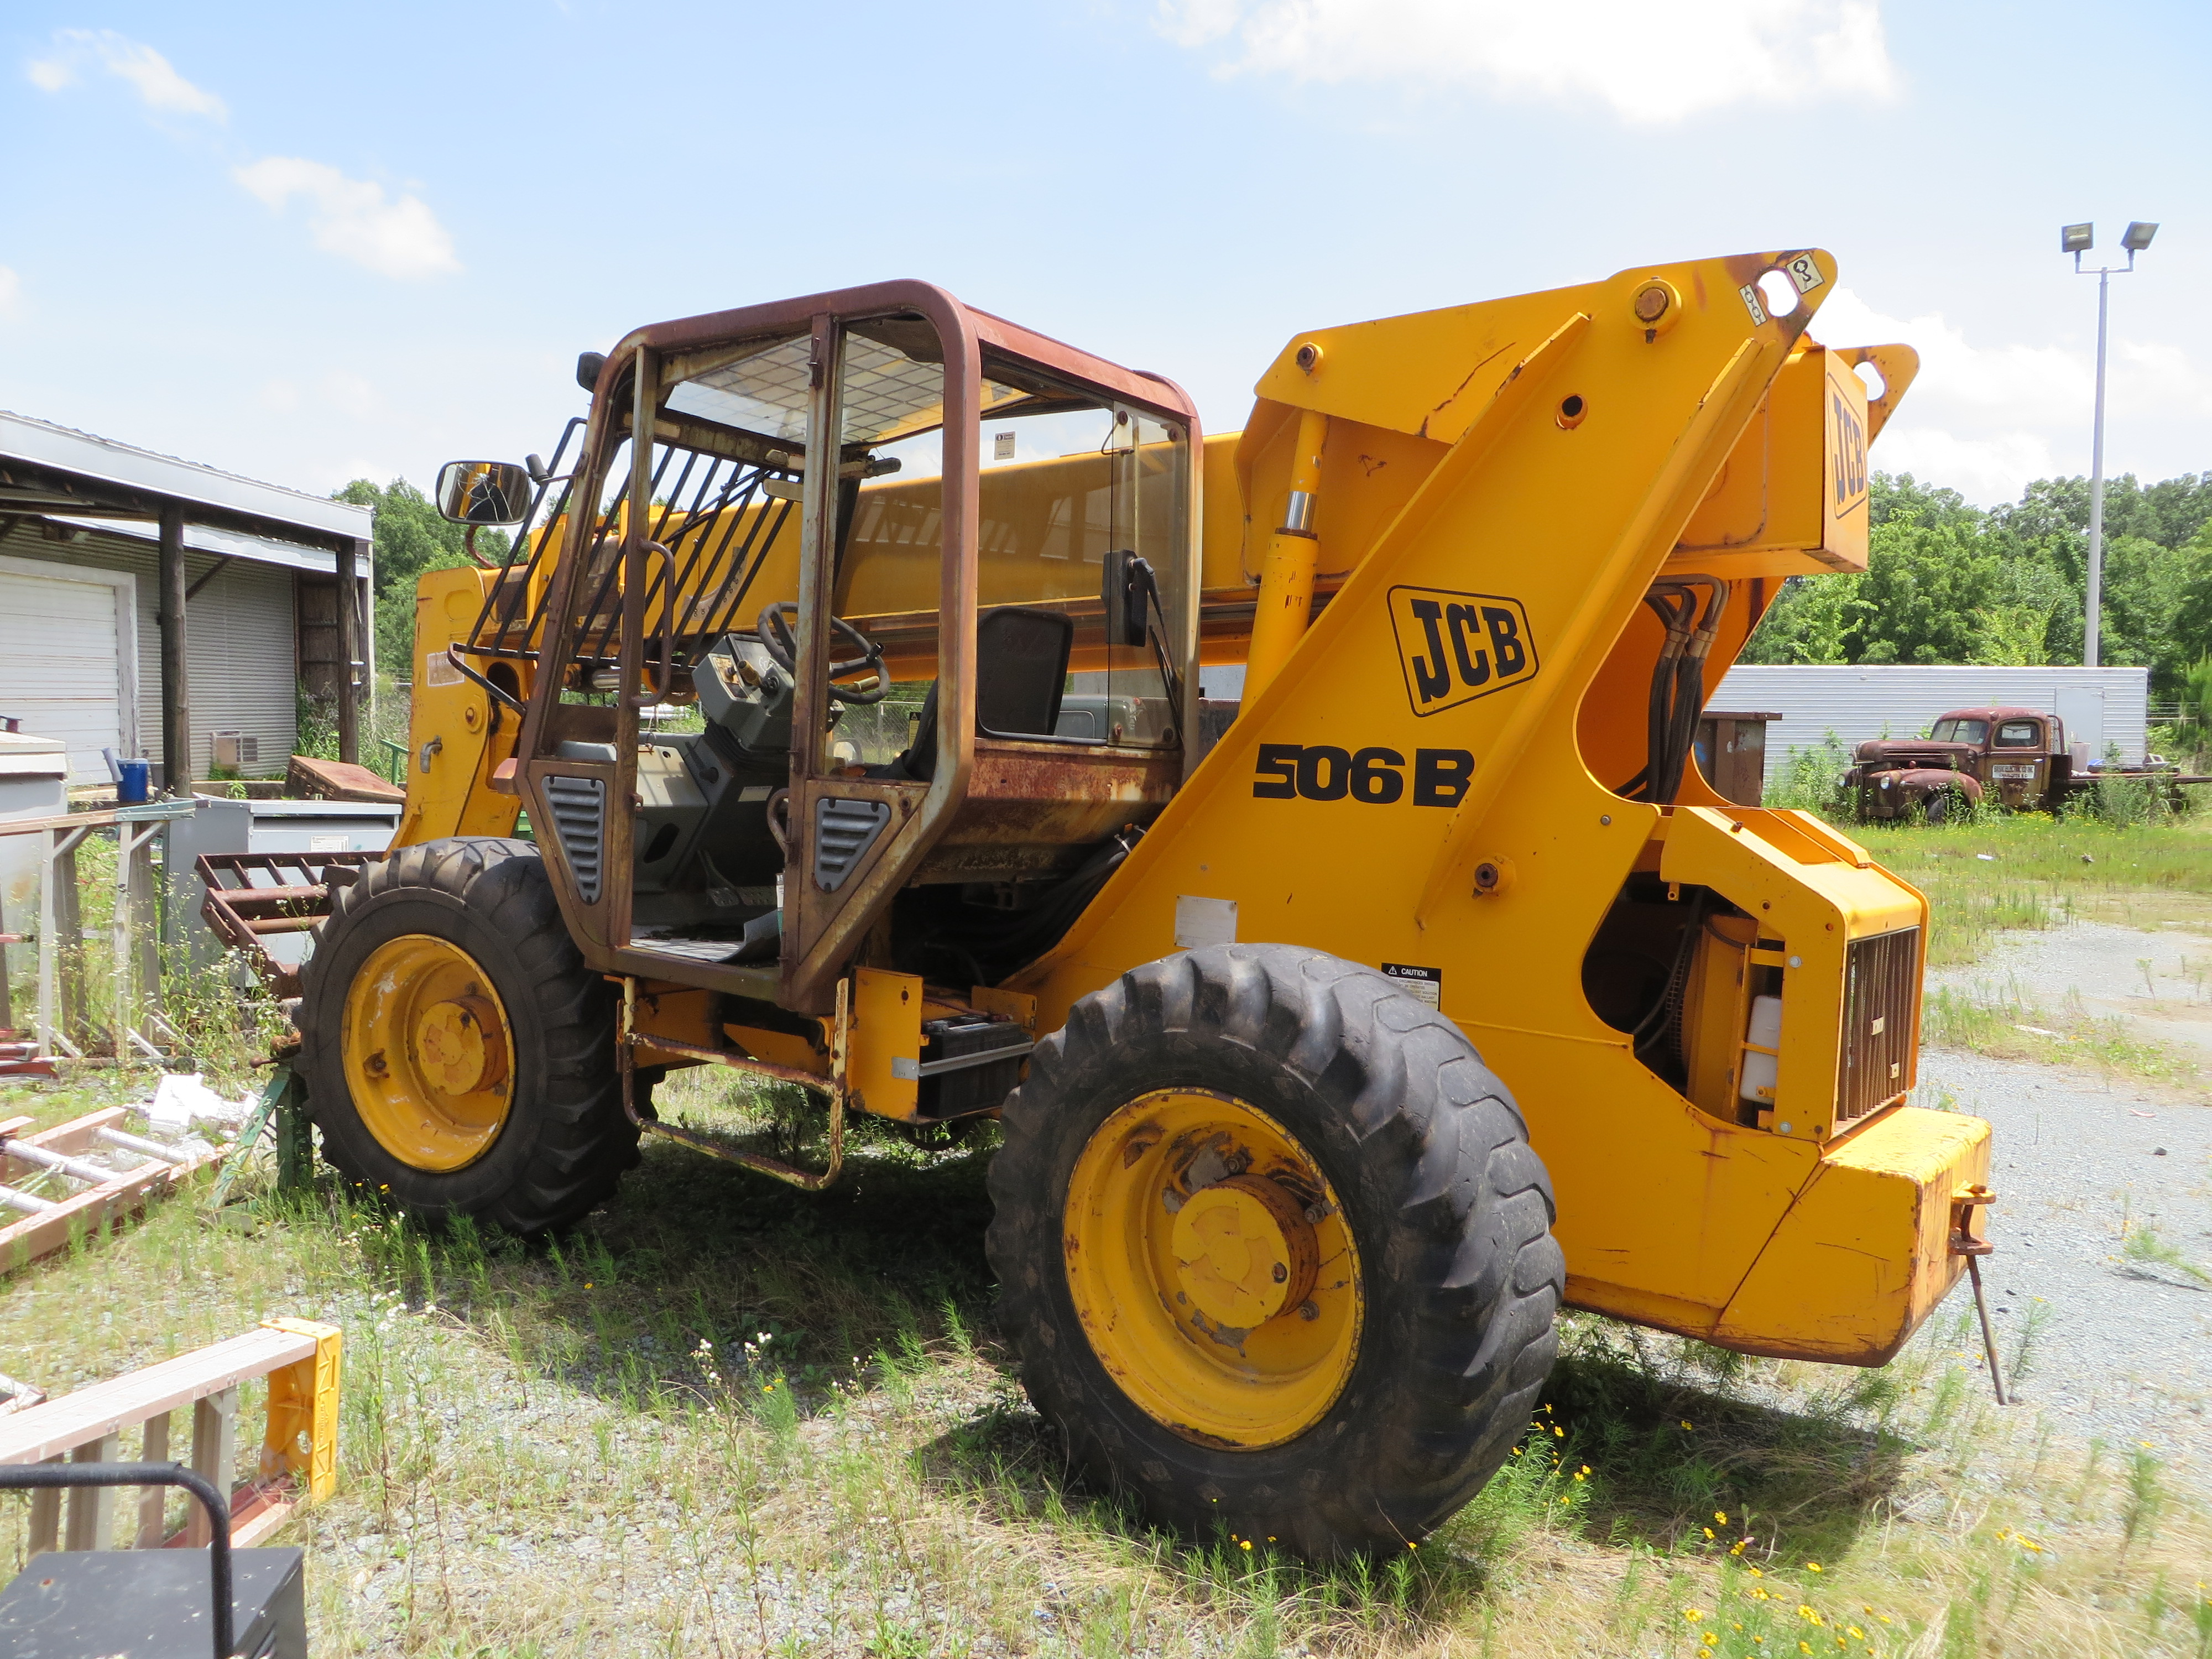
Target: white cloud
[351, 218]
[159, 86]
[1646, 64]
[1984, 419]
[11, 291]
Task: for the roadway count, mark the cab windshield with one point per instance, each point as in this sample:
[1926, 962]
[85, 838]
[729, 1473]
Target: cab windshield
[1960, 730]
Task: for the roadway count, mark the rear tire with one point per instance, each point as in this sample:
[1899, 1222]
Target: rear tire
[558, 1142]
[1426, 1161]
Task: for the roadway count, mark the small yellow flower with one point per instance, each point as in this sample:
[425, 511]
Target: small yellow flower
[1756, 1573]
[1686, 1422]
[1585, 1468]
[1693, 1613]
[587, 1284]
[1710, 1639]
[1804, 1647]
[1812, 1567]
[1578, 1474]
[1516, 1451]
[1857, 1635]
[1559, 1431]
[1721, 1515]
[1245, 1544]
[1708, 1531]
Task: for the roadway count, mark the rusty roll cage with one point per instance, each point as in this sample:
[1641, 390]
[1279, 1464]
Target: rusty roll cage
[823, 935]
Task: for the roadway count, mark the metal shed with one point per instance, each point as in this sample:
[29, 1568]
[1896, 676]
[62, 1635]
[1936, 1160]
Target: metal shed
[152, 604]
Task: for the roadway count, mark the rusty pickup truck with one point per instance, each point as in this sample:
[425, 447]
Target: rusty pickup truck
[2017, 759]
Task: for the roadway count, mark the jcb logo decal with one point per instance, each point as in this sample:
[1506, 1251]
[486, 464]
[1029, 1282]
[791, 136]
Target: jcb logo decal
[1848, 452]
[1455, 647]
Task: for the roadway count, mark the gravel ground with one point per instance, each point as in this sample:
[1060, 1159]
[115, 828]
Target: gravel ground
[2159, 983]
[2123, 1350]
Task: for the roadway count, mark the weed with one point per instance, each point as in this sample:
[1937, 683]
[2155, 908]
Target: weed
[2143, 1252]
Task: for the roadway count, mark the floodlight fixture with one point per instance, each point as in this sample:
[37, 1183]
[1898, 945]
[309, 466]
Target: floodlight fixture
[2078, 239]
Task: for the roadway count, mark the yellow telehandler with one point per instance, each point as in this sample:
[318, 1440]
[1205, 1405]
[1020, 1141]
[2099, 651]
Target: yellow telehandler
[851, 666]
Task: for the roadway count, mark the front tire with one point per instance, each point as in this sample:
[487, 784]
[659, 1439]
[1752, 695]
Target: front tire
[1274, 1250]
[459, 1055]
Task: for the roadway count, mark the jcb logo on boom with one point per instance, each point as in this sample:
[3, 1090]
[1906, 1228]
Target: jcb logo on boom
[1847, 456]
[1322, 771]
[1455, 647]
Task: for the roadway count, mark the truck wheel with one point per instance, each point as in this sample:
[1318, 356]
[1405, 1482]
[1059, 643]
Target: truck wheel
[458, 1054]
[1274, 1250]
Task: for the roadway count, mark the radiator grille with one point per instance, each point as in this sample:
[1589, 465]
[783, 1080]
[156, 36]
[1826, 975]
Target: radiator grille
[579, 816]
[1881, 994]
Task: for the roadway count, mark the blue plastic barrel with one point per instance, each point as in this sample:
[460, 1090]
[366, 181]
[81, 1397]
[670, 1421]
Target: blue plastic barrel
[136, 786]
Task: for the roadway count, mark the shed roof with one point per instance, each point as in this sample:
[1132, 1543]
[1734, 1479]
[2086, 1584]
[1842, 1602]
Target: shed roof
[55, 470]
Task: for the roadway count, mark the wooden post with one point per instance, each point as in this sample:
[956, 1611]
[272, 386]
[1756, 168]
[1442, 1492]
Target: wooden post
[176, 698]
[349, 652]
[153, 1501]
[215, 1454]
[45, 1518]
[92, 1509]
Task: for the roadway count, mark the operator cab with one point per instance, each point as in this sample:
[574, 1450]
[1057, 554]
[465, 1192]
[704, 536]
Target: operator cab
[893, 667]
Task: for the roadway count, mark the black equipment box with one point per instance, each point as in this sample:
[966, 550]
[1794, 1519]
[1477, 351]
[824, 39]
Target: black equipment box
[151, 1604]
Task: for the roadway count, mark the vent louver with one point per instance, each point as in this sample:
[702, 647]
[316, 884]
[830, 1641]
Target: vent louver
[580, 818]
[843, 830]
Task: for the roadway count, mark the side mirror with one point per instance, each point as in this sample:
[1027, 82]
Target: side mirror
[1127, 588]
[484, 492]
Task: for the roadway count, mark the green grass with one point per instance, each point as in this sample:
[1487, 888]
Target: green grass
[2029, 871]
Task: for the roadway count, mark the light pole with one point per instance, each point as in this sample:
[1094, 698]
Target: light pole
[2077, 239]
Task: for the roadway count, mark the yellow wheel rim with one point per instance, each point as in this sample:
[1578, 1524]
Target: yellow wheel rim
[428, 1054]
[1213, 1270]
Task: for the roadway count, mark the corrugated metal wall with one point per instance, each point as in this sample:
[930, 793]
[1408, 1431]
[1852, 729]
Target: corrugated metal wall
[239, 643]
[1902, 702]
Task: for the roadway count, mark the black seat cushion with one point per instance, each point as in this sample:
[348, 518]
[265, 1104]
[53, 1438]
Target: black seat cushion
[1021, 673]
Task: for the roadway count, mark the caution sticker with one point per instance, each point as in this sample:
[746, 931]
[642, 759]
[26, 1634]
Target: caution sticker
[1426, 983]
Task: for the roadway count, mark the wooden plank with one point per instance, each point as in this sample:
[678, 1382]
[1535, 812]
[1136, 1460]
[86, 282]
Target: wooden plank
[77, 1135]
[328, 779]
[257, 1512]
[62, 1424]
[99, 1207]
[68, 821]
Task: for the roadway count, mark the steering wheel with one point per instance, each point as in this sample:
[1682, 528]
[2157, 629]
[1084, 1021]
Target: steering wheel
[776, 637]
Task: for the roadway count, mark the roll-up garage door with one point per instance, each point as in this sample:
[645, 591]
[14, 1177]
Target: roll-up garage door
[67, 653]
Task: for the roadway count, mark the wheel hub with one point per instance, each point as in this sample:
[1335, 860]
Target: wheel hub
[1244, 1251]
[428, 1053]
[1212, 1268]
[450, 1040]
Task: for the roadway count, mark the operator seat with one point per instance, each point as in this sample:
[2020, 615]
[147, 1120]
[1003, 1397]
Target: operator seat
[1021, 672]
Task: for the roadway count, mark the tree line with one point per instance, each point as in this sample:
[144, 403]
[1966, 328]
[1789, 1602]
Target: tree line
[1946, 582]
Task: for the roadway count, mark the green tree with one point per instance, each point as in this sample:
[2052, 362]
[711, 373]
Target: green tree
[411, 539]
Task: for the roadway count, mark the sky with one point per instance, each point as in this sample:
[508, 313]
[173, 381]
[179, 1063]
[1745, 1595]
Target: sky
[311, 244]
